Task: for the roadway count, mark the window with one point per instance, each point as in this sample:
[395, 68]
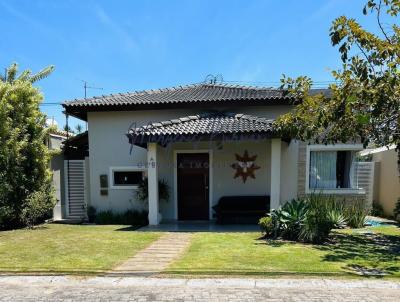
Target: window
[331, 169]
[126, 178]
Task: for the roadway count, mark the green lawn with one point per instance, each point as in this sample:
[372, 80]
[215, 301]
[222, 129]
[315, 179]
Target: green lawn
[243, 254]
[69, 248]
[91, 249]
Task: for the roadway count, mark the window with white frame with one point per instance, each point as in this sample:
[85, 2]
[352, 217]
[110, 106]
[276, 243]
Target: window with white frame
[126, 177]
[331, 169]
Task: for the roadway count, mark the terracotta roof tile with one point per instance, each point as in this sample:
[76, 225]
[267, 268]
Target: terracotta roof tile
[203, 124]
[185, 94]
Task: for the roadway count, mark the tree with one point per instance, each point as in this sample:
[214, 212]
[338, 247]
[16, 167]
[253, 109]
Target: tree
[25, 178]
[78, 128]
[67, 129]
[364, 102]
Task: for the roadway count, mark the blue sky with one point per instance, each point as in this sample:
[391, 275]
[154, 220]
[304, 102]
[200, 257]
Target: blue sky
[133, 45]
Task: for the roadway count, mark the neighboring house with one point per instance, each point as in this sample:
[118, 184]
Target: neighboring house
[55, 143]
[387, 181]
[206, 141]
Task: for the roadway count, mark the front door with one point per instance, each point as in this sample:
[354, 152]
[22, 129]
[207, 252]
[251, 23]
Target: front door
[193, 183]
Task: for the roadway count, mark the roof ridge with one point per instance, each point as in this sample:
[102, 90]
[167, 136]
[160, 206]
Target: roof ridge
[245, 87]
[174, 88]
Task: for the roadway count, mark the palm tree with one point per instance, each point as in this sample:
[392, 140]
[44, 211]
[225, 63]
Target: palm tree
[11, 74]
[78, 128]
[68, 129]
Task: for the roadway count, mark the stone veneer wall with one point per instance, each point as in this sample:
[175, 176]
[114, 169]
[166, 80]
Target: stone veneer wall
[301, 178]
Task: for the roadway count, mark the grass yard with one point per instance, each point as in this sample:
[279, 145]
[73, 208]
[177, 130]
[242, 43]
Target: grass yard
[242, 254]
[77, 249]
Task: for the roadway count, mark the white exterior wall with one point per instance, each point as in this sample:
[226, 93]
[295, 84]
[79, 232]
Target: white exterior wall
[289, 173]
[388, 184]
[109, 147]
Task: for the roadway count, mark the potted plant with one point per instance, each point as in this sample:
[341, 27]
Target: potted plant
[142, 192]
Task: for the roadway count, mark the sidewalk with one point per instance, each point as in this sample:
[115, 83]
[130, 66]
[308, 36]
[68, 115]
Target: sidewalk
[62, 288]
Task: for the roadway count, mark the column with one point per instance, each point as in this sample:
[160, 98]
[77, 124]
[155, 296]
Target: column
[152, 176]
[275, 172]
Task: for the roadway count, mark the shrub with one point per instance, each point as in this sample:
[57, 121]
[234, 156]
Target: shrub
[337, 218]
[130, 217]
[318, 222]
[37, 207]
[6, 214]
[396, 210]
[292, 217]
[377, 209]
[312, 219]
[355, 214]
[267, 226]
[91, 213]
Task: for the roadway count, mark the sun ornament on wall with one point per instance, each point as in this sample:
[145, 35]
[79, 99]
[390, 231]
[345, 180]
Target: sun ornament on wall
[245, 166]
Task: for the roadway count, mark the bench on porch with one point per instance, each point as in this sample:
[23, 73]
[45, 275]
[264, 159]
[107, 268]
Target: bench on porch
[241, 209]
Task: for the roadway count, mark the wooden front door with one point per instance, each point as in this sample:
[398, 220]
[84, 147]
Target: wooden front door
[193, 186]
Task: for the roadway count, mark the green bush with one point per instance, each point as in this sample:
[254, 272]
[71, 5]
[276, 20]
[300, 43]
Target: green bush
[38, 206]
[337, 218]
[130, 217]
[318, 224]
[355, 214]
[24, 156]
[91, 213]
[312, 219]
[267, 226]
[291, 217]
[377, 209]
[6, 214]
[396, 211]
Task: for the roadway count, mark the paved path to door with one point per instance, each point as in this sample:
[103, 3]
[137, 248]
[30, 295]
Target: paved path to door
[157, 256]
[143, 289]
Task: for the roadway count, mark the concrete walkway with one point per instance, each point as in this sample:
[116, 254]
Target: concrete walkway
[62, 288]
[156, 257]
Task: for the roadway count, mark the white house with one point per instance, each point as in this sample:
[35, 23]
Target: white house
[206, 141]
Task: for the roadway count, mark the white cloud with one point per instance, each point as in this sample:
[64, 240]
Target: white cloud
[120, 31]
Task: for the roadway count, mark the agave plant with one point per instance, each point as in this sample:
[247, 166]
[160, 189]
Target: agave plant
[324, 214]
[337, 219]
[292, 217]
[356, 214]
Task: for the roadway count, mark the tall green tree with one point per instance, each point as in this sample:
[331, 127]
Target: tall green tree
[24, 157]
[364, 103]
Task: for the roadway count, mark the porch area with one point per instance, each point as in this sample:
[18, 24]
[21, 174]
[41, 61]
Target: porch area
[205, 158]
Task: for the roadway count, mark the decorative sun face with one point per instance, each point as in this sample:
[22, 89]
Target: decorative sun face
[245, 166]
